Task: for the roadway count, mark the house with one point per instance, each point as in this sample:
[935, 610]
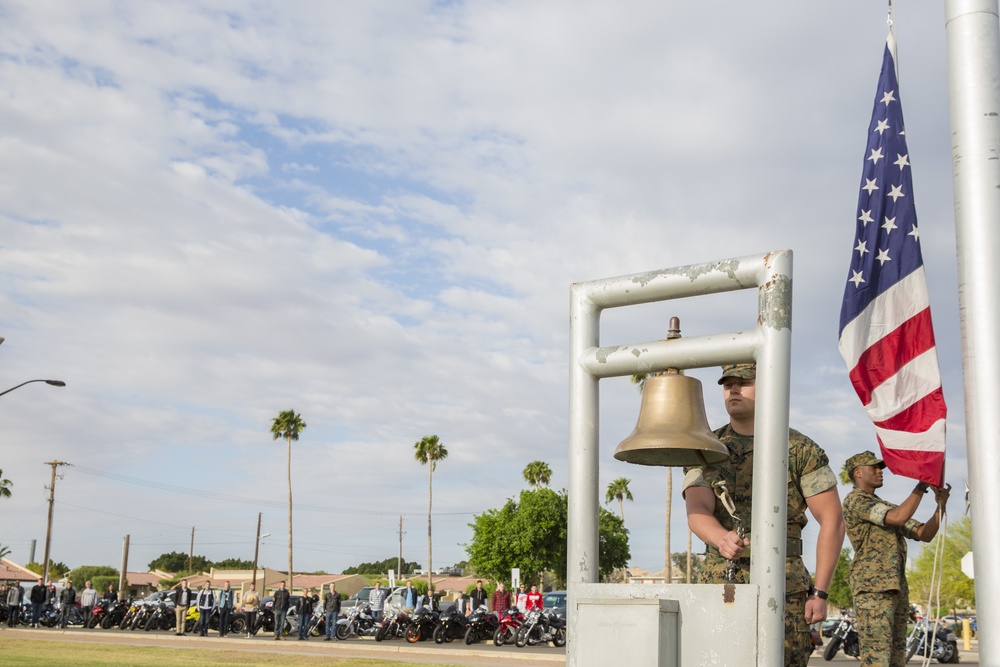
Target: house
[268, 580]
[11, 571]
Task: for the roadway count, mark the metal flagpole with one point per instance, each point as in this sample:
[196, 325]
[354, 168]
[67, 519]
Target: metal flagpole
[973, 34]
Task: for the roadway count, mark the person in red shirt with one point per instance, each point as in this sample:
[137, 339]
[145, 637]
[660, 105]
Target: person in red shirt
[501, 599]
[534, 599]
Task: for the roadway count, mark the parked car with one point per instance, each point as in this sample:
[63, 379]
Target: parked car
[362, 596]
[555, 601]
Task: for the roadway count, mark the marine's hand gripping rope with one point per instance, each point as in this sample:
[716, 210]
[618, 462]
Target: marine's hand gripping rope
[722, 493]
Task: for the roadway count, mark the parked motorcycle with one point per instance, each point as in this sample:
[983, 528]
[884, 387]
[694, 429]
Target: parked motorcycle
[932, 640]
[422, 625]
[358, 621]
[510, 621]
[394, 624]
[451, 626]
[540, 627]
[482, 625]
[846, 635]
[162, 618]
[113, 614]
[130, 613]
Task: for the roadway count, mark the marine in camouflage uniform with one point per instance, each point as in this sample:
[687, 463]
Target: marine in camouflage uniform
[878, 531]
[809, 475]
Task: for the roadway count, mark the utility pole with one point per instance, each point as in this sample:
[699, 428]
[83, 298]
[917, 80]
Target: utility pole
[191, 552]
[256, 550]
[122, 578]
[399, 559]
[48, 530]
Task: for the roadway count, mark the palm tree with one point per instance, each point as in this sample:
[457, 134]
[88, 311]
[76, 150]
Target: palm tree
[5, 485]
[618, 489]
[537, 473]
[288, 425]
[429, 450]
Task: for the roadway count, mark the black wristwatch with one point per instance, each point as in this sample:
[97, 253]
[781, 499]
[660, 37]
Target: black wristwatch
[822, 595]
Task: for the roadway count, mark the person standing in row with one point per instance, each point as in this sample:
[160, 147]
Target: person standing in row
[501, 599]
[206, 604]
[251, 603]
[304, 610]
[377, 601]
[88, 598]
[534, 600]
[15, 595]
[111, 596]
[37, 598]
[410, 597]
[182, 601]
[224, 601]
[67, 600]
[331, 606]
[279, 604]
[521, 599]
[479, 595]
[812, 486]
[878, 531]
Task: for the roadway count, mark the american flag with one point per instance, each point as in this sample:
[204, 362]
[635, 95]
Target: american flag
[886, 335]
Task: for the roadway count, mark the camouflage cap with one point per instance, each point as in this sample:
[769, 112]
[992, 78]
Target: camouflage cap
[862, 459]
[744, 371]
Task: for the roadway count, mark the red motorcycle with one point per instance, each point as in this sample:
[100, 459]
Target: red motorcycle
[510, 621]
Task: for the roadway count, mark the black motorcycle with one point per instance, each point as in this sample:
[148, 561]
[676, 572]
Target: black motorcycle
[932, 640]
[451, 626]
[422, 624]
[162, 618]
[844, 635]
[541, 627]
[114, 612]
[482, 625]
[359, 621]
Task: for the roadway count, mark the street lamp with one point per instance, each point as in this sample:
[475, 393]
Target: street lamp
[54, 383]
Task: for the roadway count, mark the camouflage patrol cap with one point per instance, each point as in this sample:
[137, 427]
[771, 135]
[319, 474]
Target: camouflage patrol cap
[744, 371]
[862, 459]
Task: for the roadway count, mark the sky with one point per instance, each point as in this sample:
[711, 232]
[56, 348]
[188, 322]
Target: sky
[372, 213]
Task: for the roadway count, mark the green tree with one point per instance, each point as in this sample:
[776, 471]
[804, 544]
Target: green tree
[382, 567]
[5, 485]
[288, 424]
[233, 564]
[955, 586]
[840, 586]
[679, 560]
[428, 451]
[537, 474]
[618, 490]
[92, 573]
[56, 570]
[177, 562]
[530, 533]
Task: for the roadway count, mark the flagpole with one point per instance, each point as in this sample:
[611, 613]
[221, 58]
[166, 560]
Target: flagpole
[973, 34]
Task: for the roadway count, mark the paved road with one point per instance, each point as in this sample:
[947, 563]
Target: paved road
[456, 653]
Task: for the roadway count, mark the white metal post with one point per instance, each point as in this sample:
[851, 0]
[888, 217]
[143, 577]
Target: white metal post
[768, 343]
[973, 33]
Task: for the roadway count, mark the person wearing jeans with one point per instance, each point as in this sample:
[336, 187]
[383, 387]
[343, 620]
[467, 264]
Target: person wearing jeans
[279, 604]
[331, 605]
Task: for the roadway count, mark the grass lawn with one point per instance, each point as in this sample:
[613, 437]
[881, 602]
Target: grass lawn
[39, 653]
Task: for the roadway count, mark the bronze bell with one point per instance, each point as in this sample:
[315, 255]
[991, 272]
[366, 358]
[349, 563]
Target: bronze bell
[672, 429]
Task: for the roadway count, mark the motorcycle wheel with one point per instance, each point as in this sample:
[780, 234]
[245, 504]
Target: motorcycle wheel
[380, 633]
[107, 622]
[343, 631]
[949, 653]
[413, 634]
[92, 622]
[470, 636]
[832, 648]
[521, 638]
[239, 625]
[439, 634]
[559, 638]
[500, 637]
[150, 623]
[911, 647]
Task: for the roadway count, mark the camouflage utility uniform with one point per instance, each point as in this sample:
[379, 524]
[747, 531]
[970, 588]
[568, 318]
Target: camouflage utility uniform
[809, 473]
[878, 579]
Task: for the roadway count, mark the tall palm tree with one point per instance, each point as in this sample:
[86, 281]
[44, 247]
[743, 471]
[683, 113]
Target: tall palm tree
[618, 490]
[288, 425]
[537, 473]
[429, 451]
[5, 485]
